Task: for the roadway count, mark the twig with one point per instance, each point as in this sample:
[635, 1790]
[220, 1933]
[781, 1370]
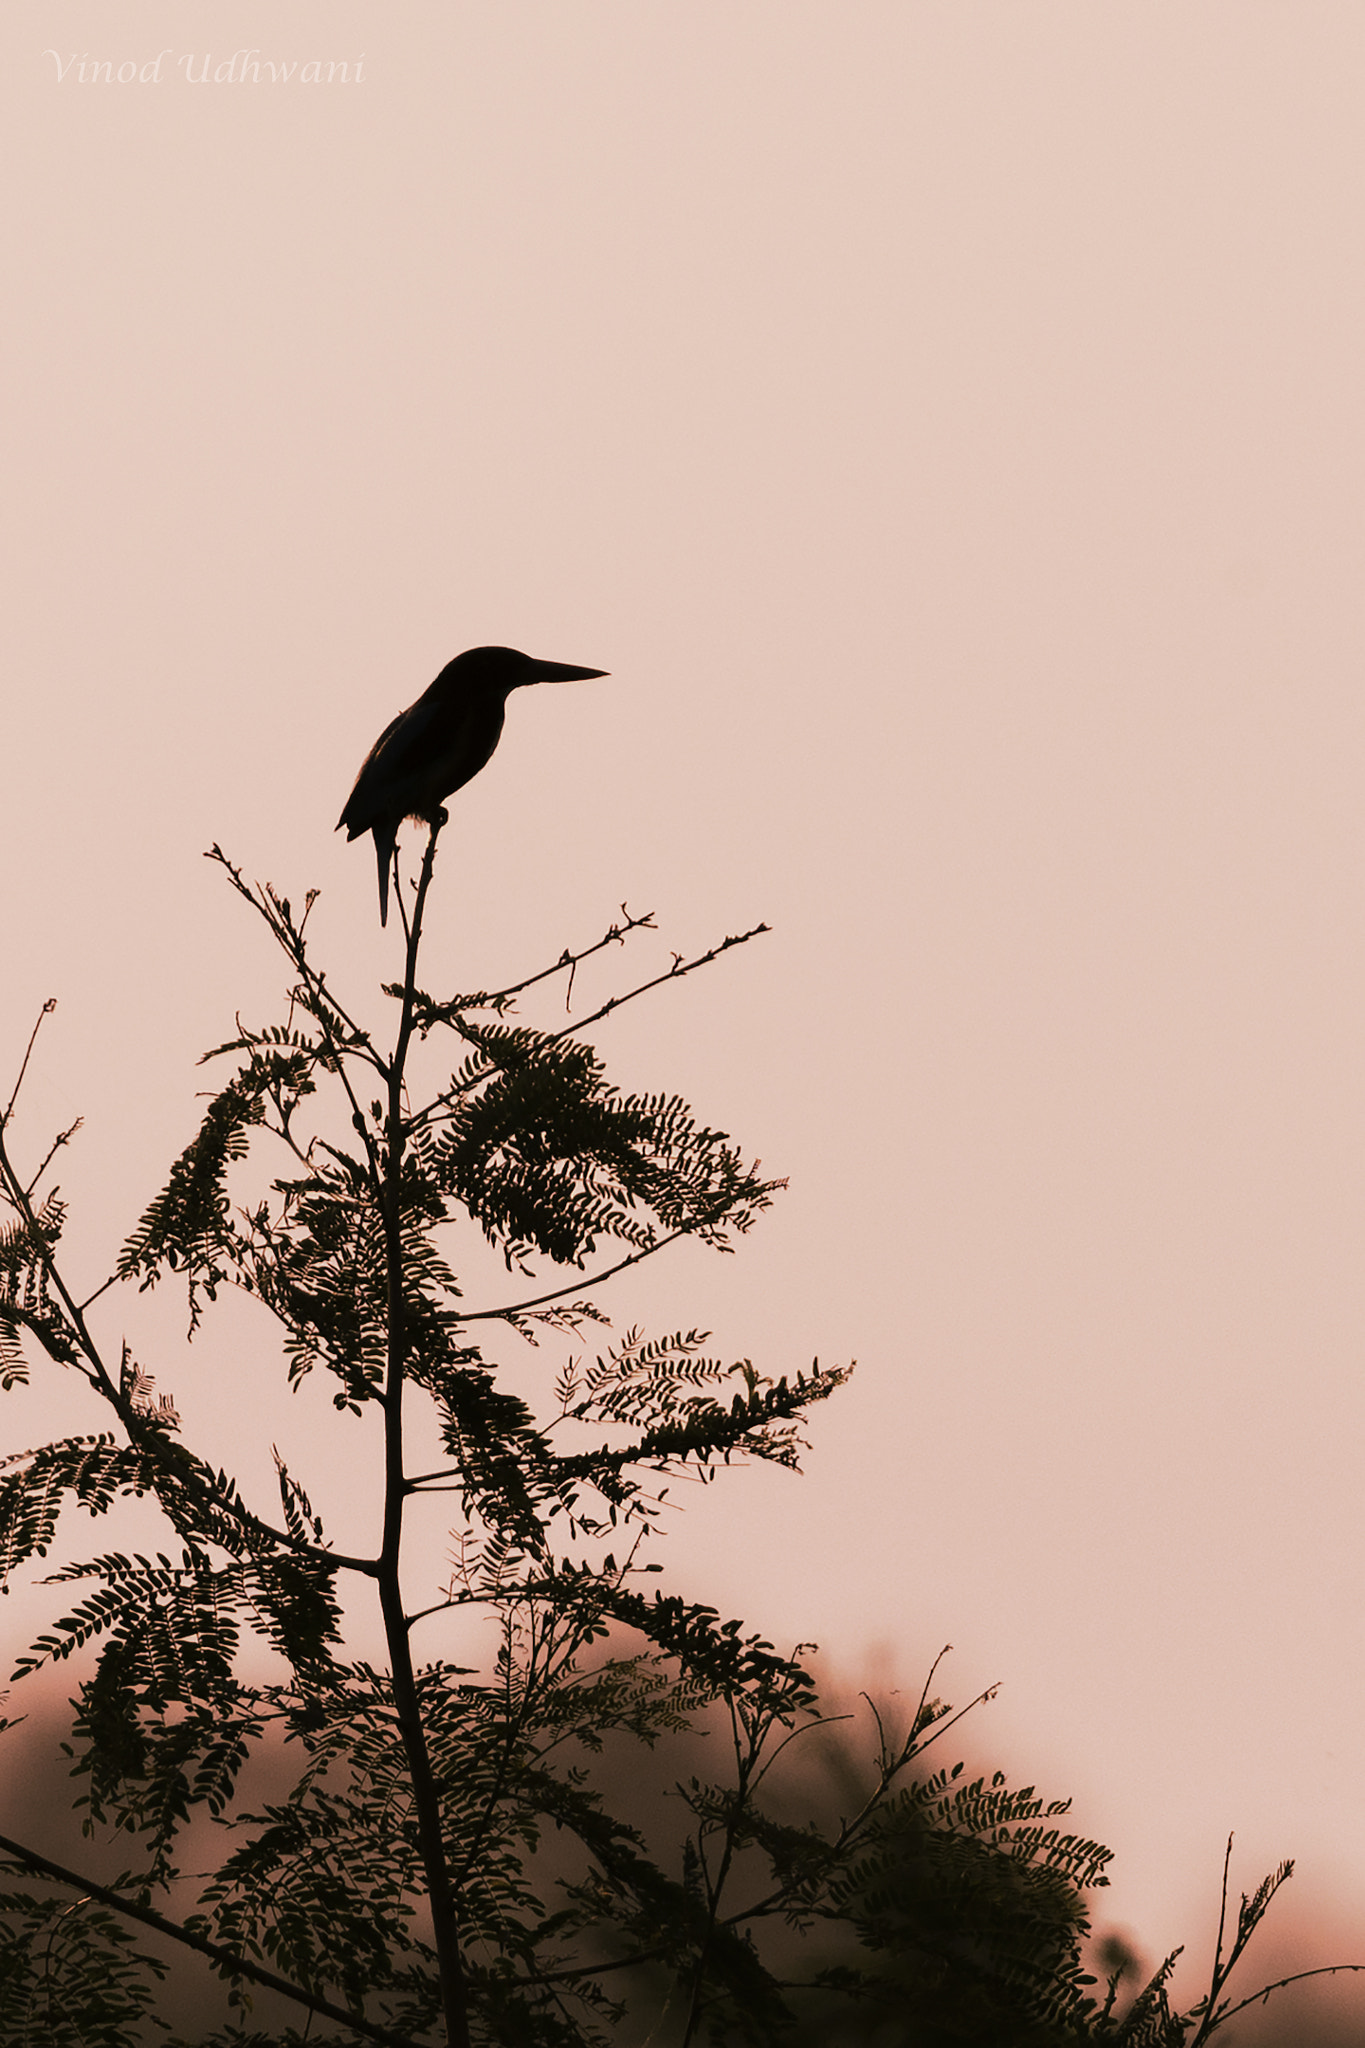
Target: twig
[62, 1138]
[492, 999]
[1260, 1997]
[517, 1308]
[48, 1007]
[676, 972]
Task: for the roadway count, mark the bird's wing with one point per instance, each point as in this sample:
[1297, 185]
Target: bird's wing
[397, 754]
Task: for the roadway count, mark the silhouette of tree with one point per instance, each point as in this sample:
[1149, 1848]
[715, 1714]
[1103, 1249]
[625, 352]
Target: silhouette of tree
[449, 1860]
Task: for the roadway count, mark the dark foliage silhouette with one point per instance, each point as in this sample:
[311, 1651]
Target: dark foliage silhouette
[447, 1858]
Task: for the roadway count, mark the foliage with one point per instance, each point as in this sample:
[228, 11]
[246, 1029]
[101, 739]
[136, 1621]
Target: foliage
[443, 1863]
[71, 1978]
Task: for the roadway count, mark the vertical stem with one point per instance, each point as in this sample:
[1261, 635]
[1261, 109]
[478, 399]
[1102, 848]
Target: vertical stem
[426, 1798]
[746, 1756]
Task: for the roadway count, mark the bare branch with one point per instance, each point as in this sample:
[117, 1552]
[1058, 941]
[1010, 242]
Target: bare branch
[1260, 1997]
[48, 1007]
[444, 1104]
[62, 1138]
[498, 999]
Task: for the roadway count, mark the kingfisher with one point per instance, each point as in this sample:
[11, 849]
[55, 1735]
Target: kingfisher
[440, 743]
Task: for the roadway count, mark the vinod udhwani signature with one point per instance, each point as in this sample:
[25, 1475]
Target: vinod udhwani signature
[243, 67]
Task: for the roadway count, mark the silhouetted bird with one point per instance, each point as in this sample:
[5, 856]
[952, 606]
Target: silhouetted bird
[436, 745]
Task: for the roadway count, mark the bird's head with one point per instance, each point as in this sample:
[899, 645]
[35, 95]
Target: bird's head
[507, 669]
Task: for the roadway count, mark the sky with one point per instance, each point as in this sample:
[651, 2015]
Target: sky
[944, 423]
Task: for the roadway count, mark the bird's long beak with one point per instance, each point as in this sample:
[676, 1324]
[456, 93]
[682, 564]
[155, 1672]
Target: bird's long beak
[565, 672]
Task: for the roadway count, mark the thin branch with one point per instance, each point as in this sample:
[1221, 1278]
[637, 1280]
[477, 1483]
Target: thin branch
[493, 999]
[62, 1138]
[746, 1756]
[517, 1308]
[435, 1112]
[48, 1007]
[1260, 1997]
[888, 1769]
[793, 1734]
[278, 915]
[445, 1606]
[883, 1750]
[1249, 1918]
[950, 1721]
[571, 1971]
[103, 1288]
[228, 1959]
[1217, 1981]
[946, 1651]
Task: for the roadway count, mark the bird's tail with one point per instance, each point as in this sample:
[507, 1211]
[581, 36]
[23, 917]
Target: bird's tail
[385, 838]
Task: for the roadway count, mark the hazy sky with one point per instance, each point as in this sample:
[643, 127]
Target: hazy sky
[944, 422]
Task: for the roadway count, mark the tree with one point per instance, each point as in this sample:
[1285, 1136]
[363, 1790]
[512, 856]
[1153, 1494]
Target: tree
[447, 1864]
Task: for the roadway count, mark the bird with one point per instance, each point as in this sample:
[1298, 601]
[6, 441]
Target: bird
[440, 743]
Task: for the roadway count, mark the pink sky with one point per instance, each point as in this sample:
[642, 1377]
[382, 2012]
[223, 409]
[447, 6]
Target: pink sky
[944, 422]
